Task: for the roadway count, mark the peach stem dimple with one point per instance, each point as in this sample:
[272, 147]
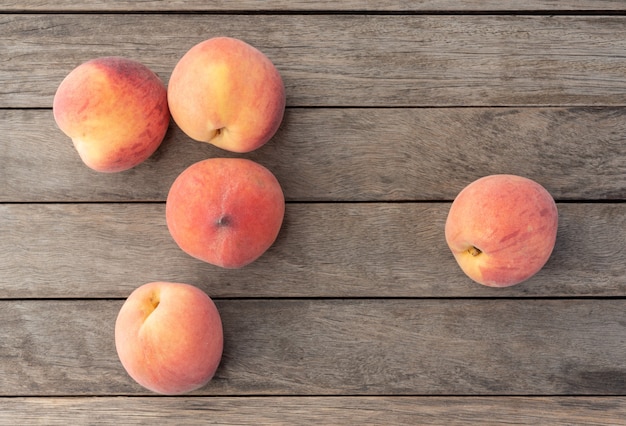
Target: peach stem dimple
[474, 251]
[154, 301]
[215, 133]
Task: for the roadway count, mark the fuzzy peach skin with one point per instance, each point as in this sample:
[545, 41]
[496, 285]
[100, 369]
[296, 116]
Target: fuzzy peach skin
[169, 337]
[225, 211]
[228, 93]
[502, 229]
[115, 111]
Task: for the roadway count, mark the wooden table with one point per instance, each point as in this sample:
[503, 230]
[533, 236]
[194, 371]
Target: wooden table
[358, 314]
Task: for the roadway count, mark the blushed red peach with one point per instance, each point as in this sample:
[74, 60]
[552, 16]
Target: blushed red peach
[169, 337]
[225, 211]
[502, 229]
[115, 111]
[228, 93]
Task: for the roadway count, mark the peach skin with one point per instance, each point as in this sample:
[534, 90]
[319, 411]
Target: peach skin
[169, 337]
[502, 229]
[228, 93]
[225, 211]
[114, 110]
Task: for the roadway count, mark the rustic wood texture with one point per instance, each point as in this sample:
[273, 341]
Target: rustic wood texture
[358, 314]
[364, 411]
[344, 59]
[339, 347]
[332, 154]
[323, 250]
[320, 5]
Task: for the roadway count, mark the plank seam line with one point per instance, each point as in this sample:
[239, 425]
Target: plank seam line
[305, 396]
[339, 298]
[297, 202]
[407, 107]
[327, 12]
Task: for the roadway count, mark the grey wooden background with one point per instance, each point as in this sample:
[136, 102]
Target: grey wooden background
[358, 314]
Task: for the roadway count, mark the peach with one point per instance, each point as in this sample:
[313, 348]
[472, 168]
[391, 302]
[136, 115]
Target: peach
[225, 211]
[114, 110]
[502, 229]
[228, 93]
[169, 337]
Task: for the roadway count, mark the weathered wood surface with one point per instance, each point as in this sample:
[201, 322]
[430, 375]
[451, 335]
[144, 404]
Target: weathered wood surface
[320, 5]
[332, 154]
[289, 411]
[358, 314]
[339, 347]
[323, 250]
[344, 59]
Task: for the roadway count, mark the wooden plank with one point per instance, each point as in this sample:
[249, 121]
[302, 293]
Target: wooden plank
[339, 347]
[335, 154]
[445, 411]
[343, 59]
[321, 5]
[323, 250]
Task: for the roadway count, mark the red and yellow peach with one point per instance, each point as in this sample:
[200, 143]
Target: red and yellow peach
[169, 337]
[115, 111]
[225, 211]
[228, 93]
[502, 229]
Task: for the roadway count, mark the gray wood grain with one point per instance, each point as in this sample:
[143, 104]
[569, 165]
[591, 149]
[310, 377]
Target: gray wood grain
[323, 250]
[320, 5]
[335, 154]
[293, 410]
[339, 347]
[358, 314]
[344, 59]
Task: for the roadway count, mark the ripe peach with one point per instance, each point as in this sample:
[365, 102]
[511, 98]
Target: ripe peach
[169, 337]
[114, 110]
[225, 211]
[502, 229]
[228, 93]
